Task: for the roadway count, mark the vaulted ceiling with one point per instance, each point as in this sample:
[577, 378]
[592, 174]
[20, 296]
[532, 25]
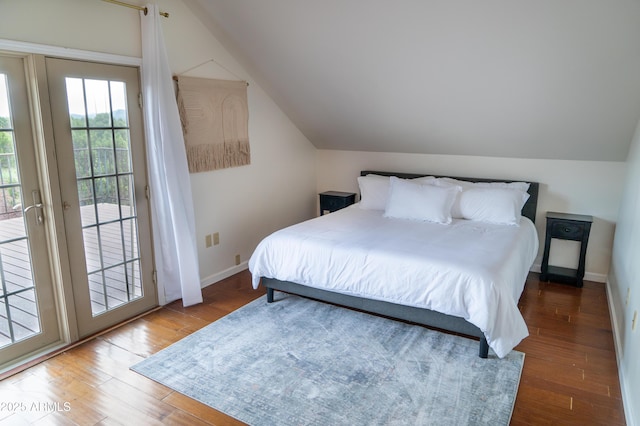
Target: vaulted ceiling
[527, 79]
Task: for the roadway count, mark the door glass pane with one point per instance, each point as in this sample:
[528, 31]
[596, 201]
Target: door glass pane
[85, 196]
[133, 278]
[19, 318]
[75, 98]
[107, 198]
[127, 199]
[119, 105]
[98, 103]
[105, 189]
[131, 247]
[102, 152]
[81, 152]
[122, 150]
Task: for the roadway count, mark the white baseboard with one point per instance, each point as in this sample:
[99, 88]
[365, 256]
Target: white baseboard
[588, 276]
[624, 389]
[599, 278]
[212, 279]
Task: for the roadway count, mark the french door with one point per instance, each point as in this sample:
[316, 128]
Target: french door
[28, 319]
[98, 132]
[75, 245]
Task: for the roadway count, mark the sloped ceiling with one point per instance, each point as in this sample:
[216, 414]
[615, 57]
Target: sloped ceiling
[527, 79]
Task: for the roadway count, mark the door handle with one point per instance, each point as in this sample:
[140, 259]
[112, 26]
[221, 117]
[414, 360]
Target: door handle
[37, 204]
[39, 216]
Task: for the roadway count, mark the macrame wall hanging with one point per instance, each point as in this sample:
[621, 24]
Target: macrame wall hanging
[215, 123]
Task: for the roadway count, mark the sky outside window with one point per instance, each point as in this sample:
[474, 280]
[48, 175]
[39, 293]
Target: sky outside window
[4, 98]
[97, 96]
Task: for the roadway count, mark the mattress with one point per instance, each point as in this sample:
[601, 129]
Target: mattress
[468, 269]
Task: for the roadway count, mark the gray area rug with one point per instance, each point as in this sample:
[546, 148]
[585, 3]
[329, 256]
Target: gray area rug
[302, 362]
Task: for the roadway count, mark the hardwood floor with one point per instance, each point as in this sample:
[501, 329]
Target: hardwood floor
[570, 373]
[569, 377]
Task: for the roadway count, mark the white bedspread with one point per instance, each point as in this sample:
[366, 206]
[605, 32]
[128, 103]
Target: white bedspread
[468, 269]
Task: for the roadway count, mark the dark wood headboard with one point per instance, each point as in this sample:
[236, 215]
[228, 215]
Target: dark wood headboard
[529, 209]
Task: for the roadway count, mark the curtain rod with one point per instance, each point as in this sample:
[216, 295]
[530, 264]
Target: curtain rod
[133, 6]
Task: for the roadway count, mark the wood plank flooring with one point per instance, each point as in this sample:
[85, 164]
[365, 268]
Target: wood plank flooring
[569, 377]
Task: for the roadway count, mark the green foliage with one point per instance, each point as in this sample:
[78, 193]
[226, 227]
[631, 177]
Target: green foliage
[9, 197]
[100, 138]
[6, 142]
[109, 155]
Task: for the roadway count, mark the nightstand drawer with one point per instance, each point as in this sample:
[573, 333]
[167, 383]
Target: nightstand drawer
[567, 230]
[333, 203]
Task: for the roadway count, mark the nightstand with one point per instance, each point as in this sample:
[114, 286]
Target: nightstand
[565, 226]
[331, 201]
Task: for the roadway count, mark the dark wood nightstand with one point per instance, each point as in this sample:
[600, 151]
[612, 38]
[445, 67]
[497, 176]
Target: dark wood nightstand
[565, 226]
[331, 201]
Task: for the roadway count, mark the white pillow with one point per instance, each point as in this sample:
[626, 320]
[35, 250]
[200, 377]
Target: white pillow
[494, 205]
[520, 186]
[416, 201]
[456, 212]
[374, 190]
[424, 179]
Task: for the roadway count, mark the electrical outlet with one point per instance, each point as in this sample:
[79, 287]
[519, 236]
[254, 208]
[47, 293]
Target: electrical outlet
[207, 241]
[626, 302]
[216, 238]
[634, 320]
[237, 259]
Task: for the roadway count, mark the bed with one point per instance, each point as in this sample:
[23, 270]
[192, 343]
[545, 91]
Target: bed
[461, 276]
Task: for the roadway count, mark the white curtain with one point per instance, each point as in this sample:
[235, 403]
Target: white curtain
[171, 202]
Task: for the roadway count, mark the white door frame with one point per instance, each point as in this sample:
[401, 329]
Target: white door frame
[43, 130]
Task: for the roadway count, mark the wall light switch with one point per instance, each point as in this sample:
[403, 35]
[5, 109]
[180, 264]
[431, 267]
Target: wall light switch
[634, 321]
[216, 238]
[237, 259]
[207, 241]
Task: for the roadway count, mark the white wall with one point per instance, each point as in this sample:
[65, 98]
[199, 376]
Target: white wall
[243, 204]
[624, 286]
[582, 187]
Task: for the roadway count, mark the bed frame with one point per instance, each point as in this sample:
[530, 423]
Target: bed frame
[420, 316]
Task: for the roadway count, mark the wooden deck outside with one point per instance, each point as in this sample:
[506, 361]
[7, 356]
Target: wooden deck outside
[112, 281]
